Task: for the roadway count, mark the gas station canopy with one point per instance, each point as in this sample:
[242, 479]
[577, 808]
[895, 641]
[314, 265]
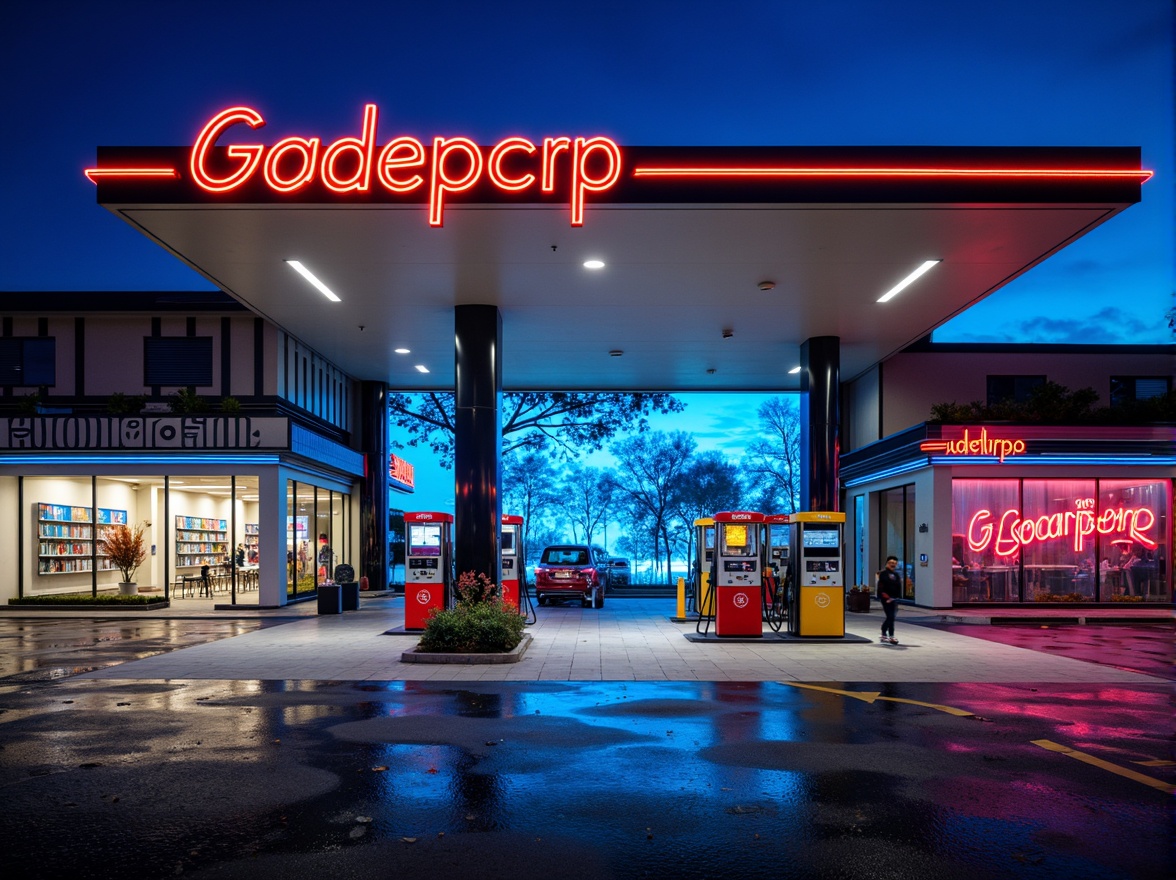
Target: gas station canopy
[717, 262]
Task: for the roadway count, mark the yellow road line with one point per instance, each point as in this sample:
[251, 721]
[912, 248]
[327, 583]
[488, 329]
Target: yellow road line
[871, 696]
[950, 710]
[1126, 772]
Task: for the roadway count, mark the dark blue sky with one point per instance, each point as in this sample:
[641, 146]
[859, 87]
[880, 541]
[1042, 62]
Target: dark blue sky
[77, 75]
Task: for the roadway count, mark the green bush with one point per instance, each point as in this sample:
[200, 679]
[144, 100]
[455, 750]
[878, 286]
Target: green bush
[480, 624]
[86, 599]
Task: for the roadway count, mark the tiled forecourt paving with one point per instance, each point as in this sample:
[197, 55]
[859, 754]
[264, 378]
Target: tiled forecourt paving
[627, 640]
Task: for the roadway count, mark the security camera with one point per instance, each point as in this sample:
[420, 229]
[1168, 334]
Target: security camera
[727, 334]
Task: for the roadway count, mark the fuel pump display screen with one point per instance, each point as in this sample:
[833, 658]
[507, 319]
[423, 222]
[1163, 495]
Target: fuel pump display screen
[422, 563]
[821, 537]
[822, 541]
[424, 540]
[508, 542]
[737, 540]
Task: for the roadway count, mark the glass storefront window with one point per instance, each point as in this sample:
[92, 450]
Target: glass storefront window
[1065, 540]
[1134, 540]
[1058, 555]
[985, 564]
[896, 517]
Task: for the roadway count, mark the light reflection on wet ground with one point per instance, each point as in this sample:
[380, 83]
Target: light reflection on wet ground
[42, 650]
[544, 779]
[1149, 649]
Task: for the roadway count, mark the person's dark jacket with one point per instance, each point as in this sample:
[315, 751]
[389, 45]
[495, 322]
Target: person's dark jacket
[889, 585]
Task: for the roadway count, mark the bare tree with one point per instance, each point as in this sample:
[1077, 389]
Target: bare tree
[772, 464]
[587, 493]
[649, 467]
[709, 484]
[528, 489]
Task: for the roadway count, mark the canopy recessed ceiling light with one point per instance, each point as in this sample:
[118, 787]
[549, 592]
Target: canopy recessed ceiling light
[309, 276]
[894, 291]
[402, 350]
[594, 264]
[615, 353]
[794, 371]
[421, 368]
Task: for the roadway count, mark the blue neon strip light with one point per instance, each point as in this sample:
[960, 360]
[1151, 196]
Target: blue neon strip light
[138, 459]
[1030, 461]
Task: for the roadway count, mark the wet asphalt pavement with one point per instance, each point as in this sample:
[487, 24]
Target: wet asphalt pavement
[1135, 648]
[235, 779]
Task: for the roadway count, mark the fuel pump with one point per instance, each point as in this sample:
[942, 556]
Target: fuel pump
[736, 574]
[514, 572]
[428, 579]
[776, 553]
[816, 599]
[704, 550]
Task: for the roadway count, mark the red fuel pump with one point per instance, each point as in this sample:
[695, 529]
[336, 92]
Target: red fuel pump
[428, 575]
[512, 558]
[736, 574]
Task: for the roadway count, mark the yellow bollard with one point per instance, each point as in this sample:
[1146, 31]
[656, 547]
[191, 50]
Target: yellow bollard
[681, 599]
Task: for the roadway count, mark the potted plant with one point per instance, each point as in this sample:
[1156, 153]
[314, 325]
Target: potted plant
[858, 599]
[125, 548]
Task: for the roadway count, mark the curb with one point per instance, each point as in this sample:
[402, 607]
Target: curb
[514, 656]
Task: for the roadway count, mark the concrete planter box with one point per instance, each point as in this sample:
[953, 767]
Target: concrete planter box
[415, 656]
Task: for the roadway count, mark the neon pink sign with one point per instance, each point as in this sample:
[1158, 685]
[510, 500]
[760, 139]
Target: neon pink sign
[357, 164]
[1009, 532]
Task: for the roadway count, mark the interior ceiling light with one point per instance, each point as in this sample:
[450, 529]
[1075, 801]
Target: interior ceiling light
[594, 264]
[615, 353]
[794, 371]
[402, 350]
[309, 276]
[421, 368]
[767, 285]
[902, 285]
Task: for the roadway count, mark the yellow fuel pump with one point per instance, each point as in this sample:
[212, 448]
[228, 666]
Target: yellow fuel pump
[816, 600]
[704, 549]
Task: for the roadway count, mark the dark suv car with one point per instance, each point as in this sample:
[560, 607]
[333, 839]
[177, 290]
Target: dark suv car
[572, 571]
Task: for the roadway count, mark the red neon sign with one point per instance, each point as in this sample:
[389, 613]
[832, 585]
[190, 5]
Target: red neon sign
[982, 444]
[96, 174]
[720, 171]
[355, 164]
[401, 471]
[1010, 532]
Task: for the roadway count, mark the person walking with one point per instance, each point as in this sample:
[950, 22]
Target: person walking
[889, 589]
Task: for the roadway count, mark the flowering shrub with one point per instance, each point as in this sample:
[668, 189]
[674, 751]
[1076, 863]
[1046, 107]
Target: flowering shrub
[480, 624]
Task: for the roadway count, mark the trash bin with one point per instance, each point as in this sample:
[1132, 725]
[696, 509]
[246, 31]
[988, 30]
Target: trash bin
[350, 596]
[330, 599]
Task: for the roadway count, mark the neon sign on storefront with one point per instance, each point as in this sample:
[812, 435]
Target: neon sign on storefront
[1008, 533]
[357, 164]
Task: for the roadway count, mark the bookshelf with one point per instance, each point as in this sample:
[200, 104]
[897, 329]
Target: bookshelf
[252, 537]
[65, 537]
[201, 540]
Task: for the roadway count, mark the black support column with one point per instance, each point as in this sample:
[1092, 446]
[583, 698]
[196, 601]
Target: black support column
[373, 495]
[477, 439]
[820, 418]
